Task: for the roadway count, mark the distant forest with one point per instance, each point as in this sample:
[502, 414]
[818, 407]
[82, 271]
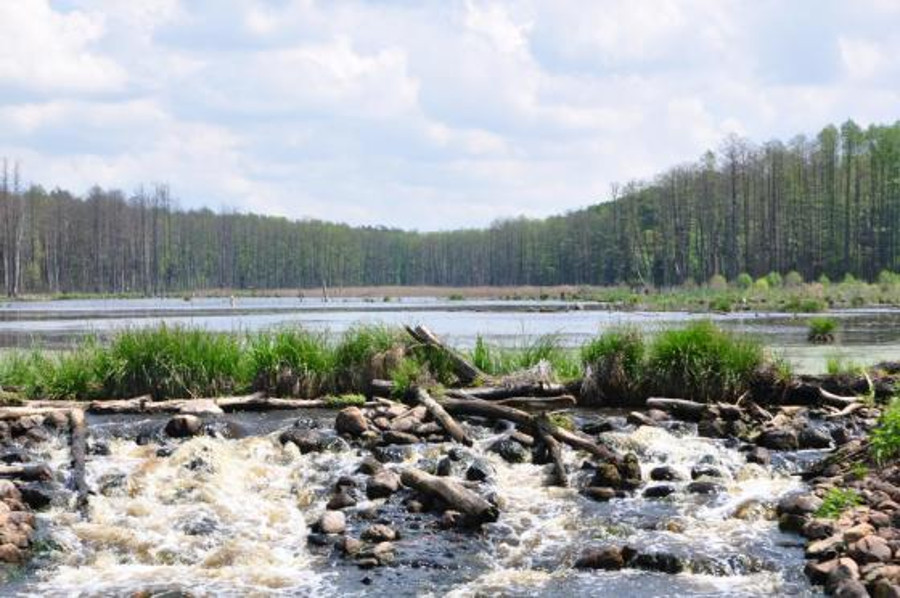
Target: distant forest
[825, 205]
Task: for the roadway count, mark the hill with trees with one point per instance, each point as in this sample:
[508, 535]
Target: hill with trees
[824, 205]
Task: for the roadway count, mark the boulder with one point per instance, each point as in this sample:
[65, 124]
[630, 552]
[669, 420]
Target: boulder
[600, 494]
[351, 421]
[664, 473]
[379, 533]
[341, 500]
[759, 455]
[813, 438]
[703, 487]
[510, 450]
[663, 562]
[705, 471]
[184, 426]
[332, 522]
[870, 549]
[308, 441]
[779, 439]
[607, 475]
[798, 504]
[608, 557]
[382, 484]
[658, 491]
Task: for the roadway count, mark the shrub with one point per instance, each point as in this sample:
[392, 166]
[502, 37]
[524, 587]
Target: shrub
[761, 285]
[836, 501]
[717, 283]
[743, 281]
[884, 440]
[804, 305]
[617, 363]
[793, 279]
[354, 354]
[721, 304]
[886, 278]
[703, 363]
[824, 280]
[821, 329]
[774, 279]
[407, 374]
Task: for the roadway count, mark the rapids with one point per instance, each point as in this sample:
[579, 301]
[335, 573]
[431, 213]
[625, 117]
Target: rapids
[231, 516]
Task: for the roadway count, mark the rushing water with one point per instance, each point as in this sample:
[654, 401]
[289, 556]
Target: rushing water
[230, 517]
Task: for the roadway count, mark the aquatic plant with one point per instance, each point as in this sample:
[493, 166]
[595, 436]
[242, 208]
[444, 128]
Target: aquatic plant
[821, 329]
[294, 357]
[839, 365]
[702, 362]
[884, 440]
[526, 354]
[743, 281]
[836, 501]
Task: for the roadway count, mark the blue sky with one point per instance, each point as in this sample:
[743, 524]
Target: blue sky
[426, 115]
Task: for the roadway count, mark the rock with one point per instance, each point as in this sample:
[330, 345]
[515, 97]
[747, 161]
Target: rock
[308, 441]
[37, 495]
[599, 426]
[14, 455]
[599, 494]
[798, 504]
[703, 487]
[817, 572]
[664, 473]
[332, 522]
[630, 469]
[10, 553]
[184, 426]
[351, 546]
[844, 569]
[779, 439]
[607, 475]
[450, 519]
[608, 558]
[510, 450]
[350, 421]
[818, 529]
[369, 466]
[8, 490]
[870, 549]
[857, 532]
[659, 561]
[636, 418]
[392, 453]
[759, 455]
[394, 437]
[879, 519]
[792, 524]
[850, 588]
[885, 589]
[379, 533]
[382, 484]
[705, 471]
[201, 525]
[340, 500]
[712, 428]
[813, 438]
[826, 548]
[658, 491]
[479, 471]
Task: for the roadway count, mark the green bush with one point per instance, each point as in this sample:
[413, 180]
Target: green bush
[793, 279]
[761, 285]
[836, 501]
[743, 281]
[804, 305]
[884, 440]
[721, 304]
[702, 362]
[774, 280]
[717, 283]
[821, 329]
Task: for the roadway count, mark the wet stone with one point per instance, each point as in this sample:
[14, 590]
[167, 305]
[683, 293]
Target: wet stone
[600, 494]
[659, 491]
[850, 588]
[813, 438]
[510, 450]
[201, 525]
[660, 561]
[184, 426]
[393, 437]
[885, 589]
[369, 465]
[308, 441]
[479, 471]
[392, 453]
[332, 522]
[818, 529]
[799, 504]
[779, 439]
[341, 500]
[664, 473]
[37, 495]
[705, 471]
[703, 487]
[759, 455]
[607, 558]
[379, 533]
[871, 549]
[607, 475]
[382, 484]
[351, 421]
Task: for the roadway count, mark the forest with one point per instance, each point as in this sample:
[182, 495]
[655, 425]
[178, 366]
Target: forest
[827, 205]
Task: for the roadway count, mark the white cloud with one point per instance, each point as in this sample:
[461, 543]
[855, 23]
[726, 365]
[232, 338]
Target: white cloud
[426, 115]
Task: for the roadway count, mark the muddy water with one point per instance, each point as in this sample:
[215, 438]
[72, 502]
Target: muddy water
[231, 516]
[865, 335]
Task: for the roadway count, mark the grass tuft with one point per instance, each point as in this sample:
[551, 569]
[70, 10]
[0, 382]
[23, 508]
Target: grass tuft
[821, 329]
[836, 501]
[884, 440]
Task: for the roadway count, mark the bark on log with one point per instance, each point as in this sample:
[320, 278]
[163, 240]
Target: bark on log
[29, 472]
[78, 452]
[457, 496]
[679, 408]
[497, 393]
[465, 370]
[539, 403]
[440, 415]
[543, 428]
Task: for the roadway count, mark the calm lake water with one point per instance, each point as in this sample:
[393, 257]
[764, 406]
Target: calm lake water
[865, 335]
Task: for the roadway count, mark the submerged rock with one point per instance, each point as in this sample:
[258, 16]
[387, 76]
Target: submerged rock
[659, 491]
[510, 450]
[607, 558]
[184, 426]
[607, 475]
[308, 441]
[779, 439]
[664, 473]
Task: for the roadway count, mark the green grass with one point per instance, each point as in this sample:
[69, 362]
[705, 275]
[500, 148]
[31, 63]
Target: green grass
[839, 365]
[341, 401]
[616, 360]
[836, 501]
[884, 440]
[526, 354]
[821, 329]
[301, 356]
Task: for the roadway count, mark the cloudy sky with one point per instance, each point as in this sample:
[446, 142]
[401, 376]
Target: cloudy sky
[422, 114]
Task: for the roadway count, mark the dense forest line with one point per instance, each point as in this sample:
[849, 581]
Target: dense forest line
[825, 205]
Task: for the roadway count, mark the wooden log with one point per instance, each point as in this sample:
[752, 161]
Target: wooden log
[464, 369]
[539, 403]
[543, 428]
[848, 410]
[28, 472]
[440, 415]
[78, 452]
[497, 393]
[457, 496]
[679, 408]
[7, 413]
[382, 388]
[135, 405]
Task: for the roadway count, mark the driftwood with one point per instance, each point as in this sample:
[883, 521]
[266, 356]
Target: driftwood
[440, 415]
[28, 472]
[464, 369]
[834, 400]
[848, 410]
[539, 403]
[457, 496]
[78, 451]
[497, 393]
[491, 410]
[543, 428]
[254, 402]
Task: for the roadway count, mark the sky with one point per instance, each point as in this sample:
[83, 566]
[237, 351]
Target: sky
[422, 114]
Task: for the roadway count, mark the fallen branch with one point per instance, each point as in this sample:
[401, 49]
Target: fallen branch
[848, 410]
[679, 408]
[543, 427]
[539, 403]
[457, 496]
[440, 415]
[78, 451]
[464, 369]
[497, 393]
[834, 400]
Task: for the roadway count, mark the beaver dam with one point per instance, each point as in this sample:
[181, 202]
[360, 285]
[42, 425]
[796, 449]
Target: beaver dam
[514, 485]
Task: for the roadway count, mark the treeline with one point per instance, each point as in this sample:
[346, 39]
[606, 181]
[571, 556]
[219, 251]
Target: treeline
[825, 205]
